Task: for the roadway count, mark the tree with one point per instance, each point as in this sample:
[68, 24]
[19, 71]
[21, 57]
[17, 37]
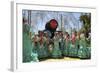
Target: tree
[86, 19]
[86, 29]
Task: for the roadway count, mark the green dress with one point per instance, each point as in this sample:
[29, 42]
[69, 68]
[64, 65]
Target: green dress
[34, 56]
[27, 45]
[28, 54]
[84, 51]
[66, 47]
[42, 50]
[45, 44]
[56, 53]
[73, 50]
[35, 52]
[38, 49]
[27, 48]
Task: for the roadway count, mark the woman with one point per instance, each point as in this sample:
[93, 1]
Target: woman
[42, 51]
[35, 47]
[83, 51]
[66, 44]
[28, 55]
[56, 52]
[73, 50]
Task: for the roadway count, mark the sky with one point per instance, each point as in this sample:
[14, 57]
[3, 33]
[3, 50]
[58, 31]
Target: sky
[70, 20]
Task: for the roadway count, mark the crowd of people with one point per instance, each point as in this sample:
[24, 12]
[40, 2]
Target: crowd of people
[61, 45]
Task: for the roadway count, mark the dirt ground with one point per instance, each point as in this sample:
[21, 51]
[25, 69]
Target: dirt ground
[60, 60]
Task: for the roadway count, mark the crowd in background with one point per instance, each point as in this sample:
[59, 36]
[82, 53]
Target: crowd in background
[61, 45]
